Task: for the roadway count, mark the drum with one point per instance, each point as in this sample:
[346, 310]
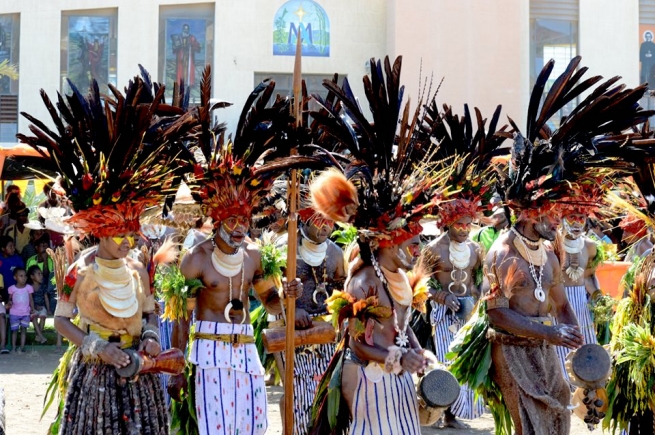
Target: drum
[466, 306]
[169, 362]
[436, 391]
[274, 339]
[589, 366]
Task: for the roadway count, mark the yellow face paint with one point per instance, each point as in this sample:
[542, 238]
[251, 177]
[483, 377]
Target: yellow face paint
[119, 240]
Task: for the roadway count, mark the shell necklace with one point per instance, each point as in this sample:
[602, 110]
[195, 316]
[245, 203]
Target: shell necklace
[533, 257]
[229, 266]
[460, 258]
[573, 247]
[402, 339]
[312, 253]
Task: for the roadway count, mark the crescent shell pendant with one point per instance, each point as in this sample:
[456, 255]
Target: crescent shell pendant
[226, 313]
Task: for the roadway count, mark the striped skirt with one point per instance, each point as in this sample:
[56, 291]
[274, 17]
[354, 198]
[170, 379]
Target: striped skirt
[387, 407]
[446, 326]
[230, 394]
[577, 297]
[310, 363]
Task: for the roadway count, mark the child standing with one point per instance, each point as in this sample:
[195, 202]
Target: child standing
[21, 306]
[35, 279]
[3, 323]
[8, 261]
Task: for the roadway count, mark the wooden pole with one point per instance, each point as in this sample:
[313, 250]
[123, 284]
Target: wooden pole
[292, 231]
[290, 350]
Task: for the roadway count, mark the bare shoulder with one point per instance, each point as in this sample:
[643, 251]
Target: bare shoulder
[253, 252]
[333, 248]
[134, 264]
[500, 249]
[363, 283]
[590, 245]
[199, 251]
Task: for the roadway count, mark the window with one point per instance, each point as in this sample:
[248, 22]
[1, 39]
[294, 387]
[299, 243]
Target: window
[553, 35]
[284, 85]
[88, 49]
[186, 45]
[9, 46]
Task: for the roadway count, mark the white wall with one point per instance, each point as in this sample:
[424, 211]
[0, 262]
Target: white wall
[609, 38]
[243, 44]
[480, 48]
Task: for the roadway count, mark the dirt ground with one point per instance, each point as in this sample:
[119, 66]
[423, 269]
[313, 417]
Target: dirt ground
[25, 377]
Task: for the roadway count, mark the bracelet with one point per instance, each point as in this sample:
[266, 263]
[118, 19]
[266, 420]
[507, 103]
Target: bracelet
[92, 345]
[153, 335]
[151, 330]
[440, 297]
[392, 362]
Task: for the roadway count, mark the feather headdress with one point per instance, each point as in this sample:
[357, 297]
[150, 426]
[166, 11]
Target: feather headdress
[472, 181]
[230, 178]
[390, 183]
[114, 156]
[545, 164]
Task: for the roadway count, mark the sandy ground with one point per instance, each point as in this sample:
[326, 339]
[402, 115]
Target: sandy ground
[25, 377]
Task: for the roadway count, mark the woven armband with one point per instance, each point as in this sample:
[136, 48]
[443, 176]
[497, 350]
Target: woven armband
[150, 331]
[92, 345]
[497, 302]
[392, 362]
[65, 309]
[264, 285]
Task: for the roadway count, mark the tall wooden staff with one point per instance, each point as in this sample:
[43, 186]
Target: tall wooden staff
[291, 253]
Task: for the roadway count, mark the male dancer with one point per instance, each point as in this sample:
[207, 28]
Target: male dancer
[384, 196]
[578, 270]
[523, 275]
[320, 268]
[455, 258]
[456, 262]
[230, 393]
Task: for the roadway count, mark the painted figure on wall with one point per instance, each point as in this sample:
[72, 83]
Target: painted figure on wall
[647, 59]
[305, 19]
[88, 50]
[185, 47]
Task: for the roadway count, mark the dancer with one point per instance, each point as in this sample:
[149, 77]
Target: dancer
[227, 378]
[456, 259]
[523, 279]
[384, 196]
[112, 169]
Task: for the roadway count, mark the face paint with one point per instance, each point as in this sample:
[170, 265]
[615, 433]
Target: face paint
[119, 240]
[227, 238]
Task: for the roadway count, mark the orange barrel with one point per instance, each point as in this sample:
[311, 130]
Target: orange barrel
[609, 276]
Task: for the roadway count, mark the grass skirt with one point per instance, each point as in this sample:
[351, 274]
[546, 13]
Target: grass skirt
[100, 401]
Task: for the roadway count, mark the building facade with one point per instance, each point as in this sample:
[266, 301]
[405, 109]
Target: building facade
[487, 52]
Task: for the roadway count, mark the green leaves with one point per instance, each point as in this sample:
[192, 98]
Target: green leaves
[345, 235]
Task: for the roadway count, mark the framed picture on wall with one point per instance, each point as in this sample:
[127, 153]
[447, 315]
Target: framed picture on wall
[88, 49]
[185, 50]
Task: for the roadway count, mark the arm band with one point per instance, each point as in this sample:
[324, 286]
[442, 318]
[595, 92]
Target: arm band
[65, 309]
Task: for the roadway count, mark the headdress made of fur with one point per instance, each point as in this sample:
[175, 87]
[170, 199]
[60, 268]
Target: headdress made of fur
[545, 164]
[114, 156]
[391, 181]
[471, 152]
[231, 178]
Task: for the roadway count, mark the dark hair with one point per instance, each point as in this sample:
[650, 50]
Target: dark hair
[4, 241]
[33, 268]
[45, 238]
[18, 269]
[47, 187]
